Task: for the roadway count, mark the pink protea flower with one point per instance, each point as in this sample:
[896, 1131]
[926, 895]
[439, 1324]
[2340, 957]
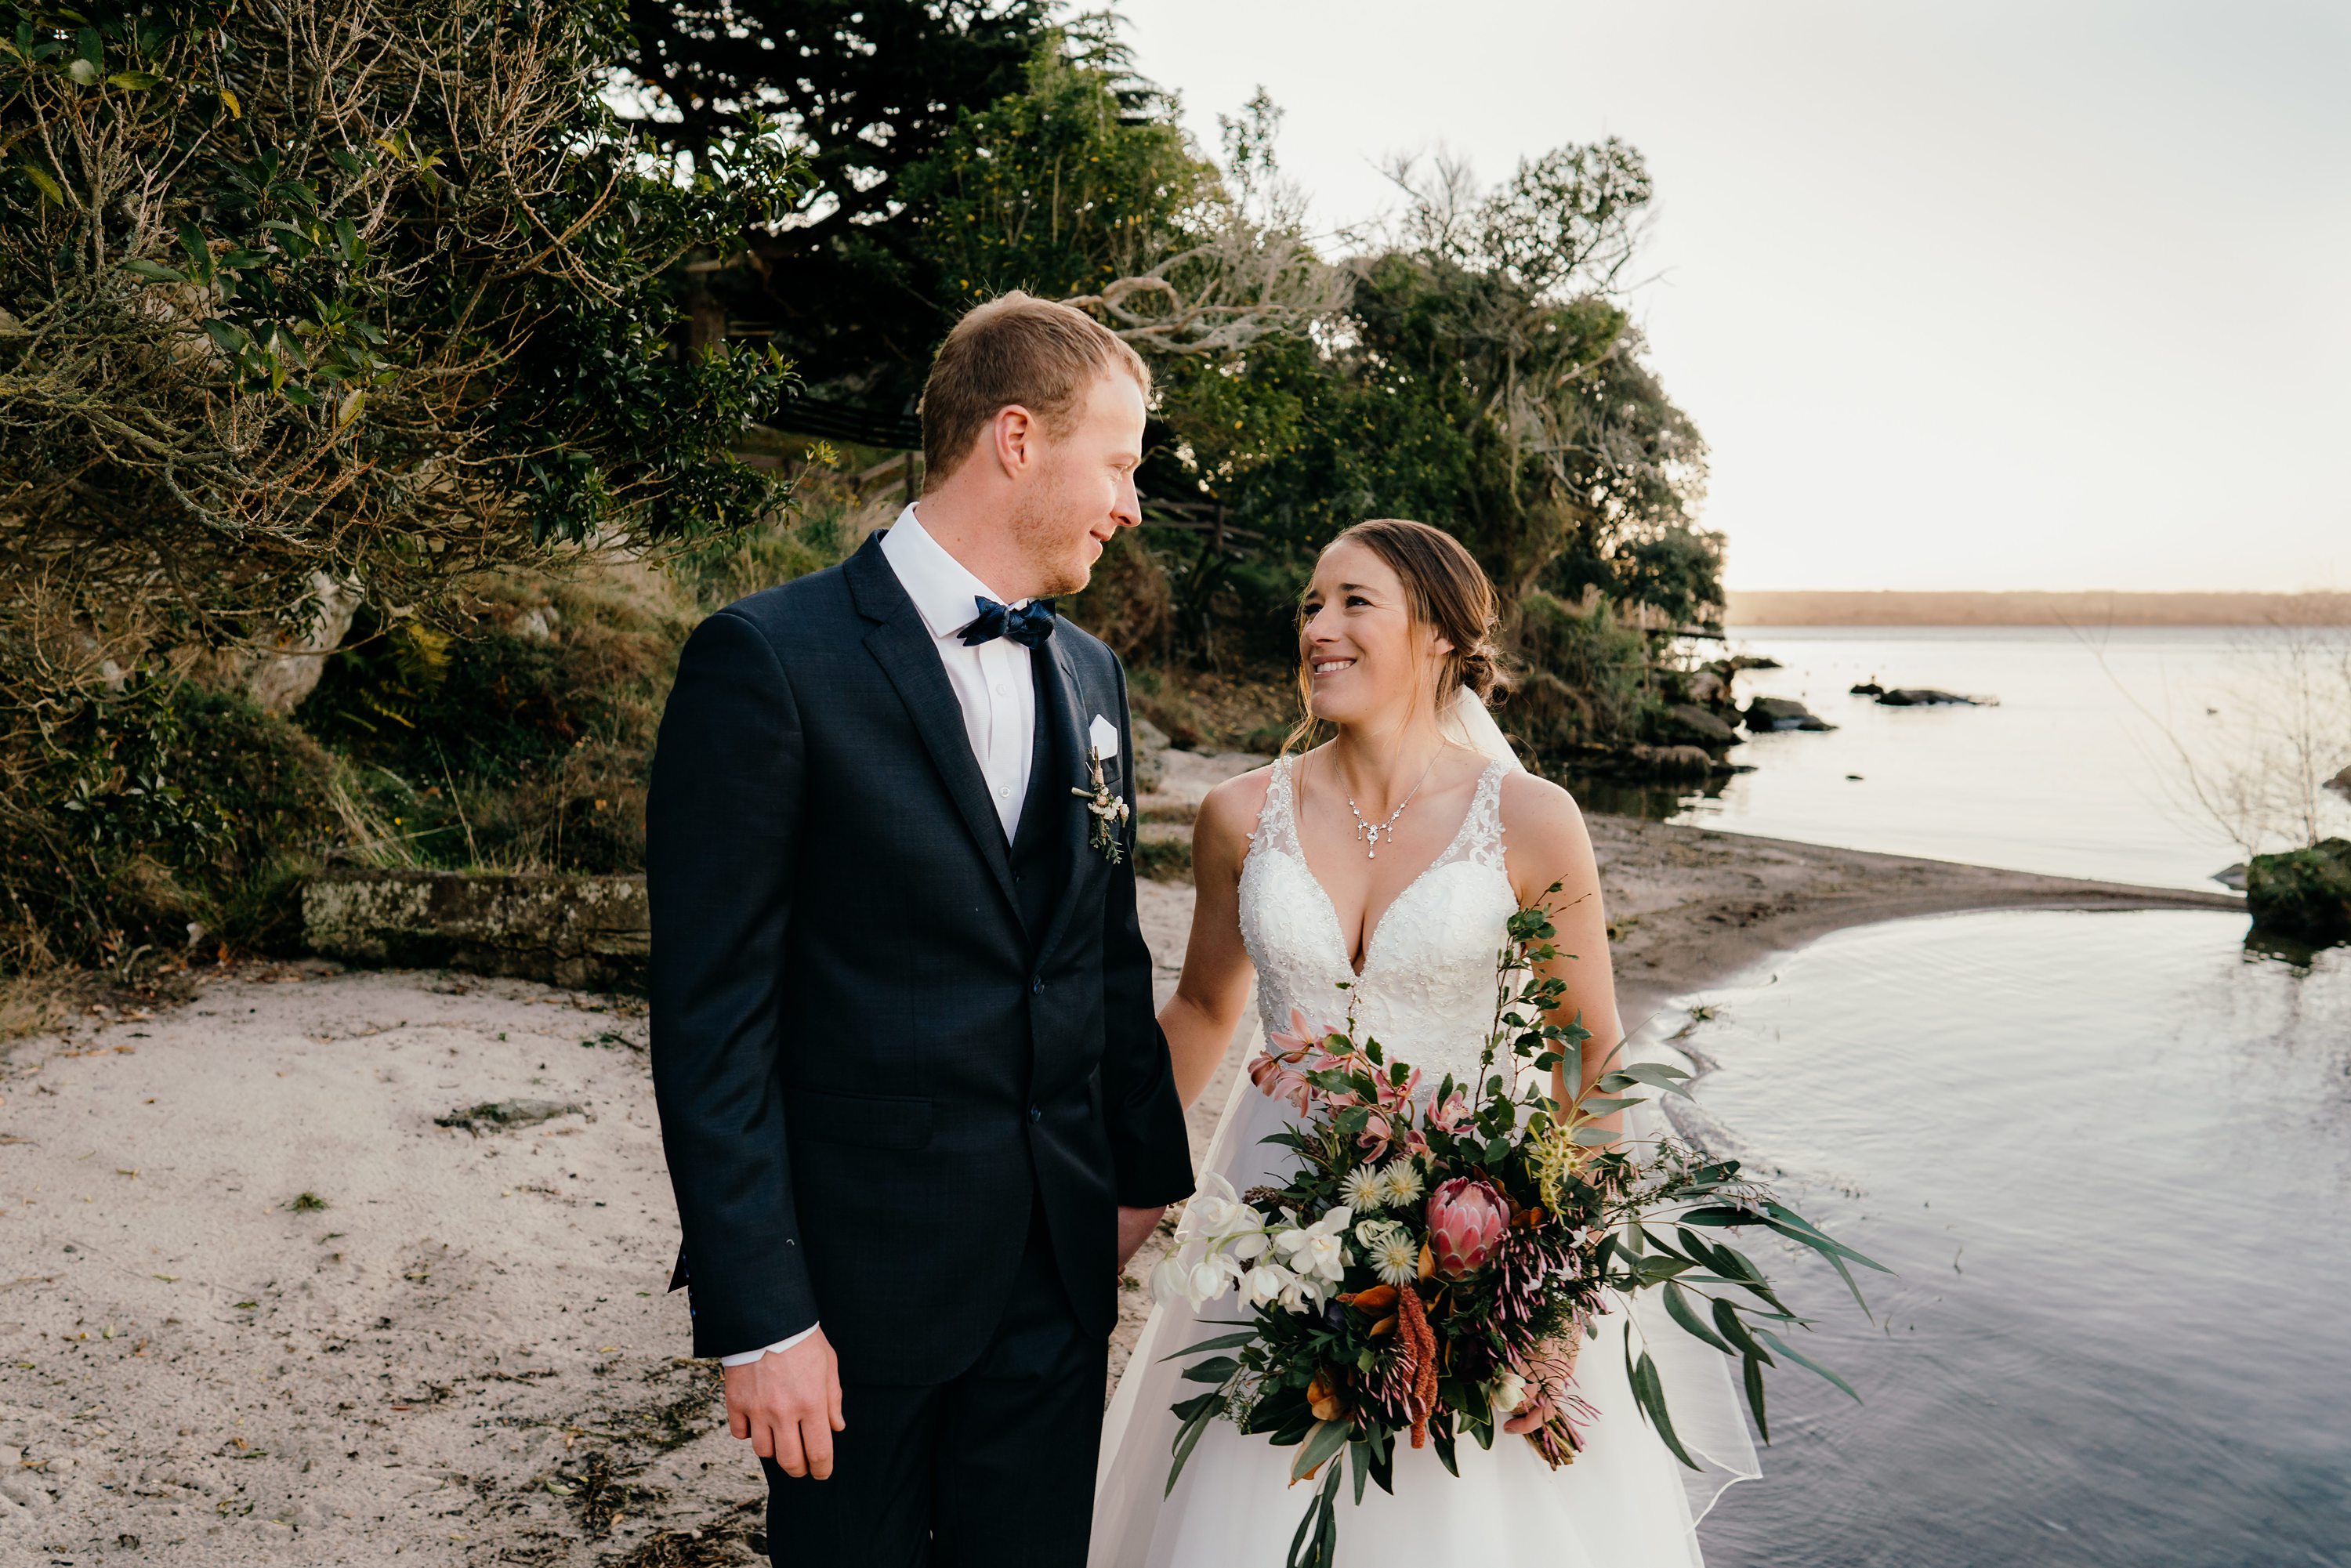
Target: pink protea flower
[1467, 1220]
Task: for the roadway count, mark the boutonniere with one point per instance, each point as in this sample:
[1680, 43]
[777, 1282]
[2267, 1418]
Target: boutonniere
[1108, 810]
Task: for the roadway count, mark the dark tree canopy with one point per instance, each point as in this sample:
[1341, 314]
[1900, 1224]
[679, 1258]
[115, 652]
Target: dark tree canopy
[865, 89]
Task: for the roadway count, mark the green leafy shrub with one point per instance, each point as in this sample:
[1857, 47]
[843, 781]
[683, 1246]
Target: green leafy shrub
[156, 817]
[1586, 681]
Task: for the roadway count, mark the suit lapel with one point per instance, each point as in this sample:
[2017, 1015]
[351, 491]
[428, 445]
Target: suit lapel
[902, 646]
[1070, 754]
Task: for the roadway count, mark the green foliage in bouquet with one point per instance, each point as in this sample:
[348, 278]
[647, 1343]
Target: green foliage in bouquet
[1435, 1261]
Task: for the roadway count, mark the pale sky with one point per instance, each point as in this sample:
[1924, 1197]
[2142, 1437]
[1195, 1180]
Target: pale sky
[1982, 295]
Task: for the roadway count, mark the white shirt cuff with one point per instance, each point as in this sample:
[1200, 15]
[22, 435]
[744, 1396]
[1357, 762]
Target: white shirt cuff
[746, 1357]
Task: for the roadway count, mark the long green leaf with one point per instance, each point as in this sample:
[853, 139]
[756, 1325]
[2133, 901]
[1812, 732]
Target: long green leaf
[1298, 1540]
[1222, 1342]
[1752, 1374]
[1215, 1369]
[1186, 1441]
[1656, 1074]
[1383, 1460]
[1677, 1306]
[1185, 1409]
[1786, 1215]
[1776, 1342]
[1726, 1318]
[1650, 1395]
[1327, 1438]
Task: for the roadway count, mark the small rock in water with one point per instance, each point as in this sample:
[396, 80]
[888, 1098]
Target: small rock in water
[2232, 876]
[495, 1114]
[2341, 783]
[2304, 893]
[1922, 697]
[1868, 688]
[1853, 778]
[1783, 713]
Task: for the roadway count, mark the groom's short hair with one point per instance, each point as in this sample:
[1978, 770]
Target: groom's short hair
[1016, 348]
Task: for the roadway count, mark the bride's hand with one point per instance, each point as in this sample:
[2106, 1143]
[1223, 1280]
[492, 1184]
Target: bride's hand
[1554, 1366]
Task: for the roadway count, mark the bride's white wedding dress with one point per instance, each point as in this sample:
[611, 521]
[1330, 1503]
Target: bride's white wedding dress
[1426, 994]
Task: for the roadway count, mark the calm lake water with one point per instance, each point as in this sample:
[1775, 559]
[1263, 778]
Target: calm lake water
[2110, 1155]
[2064, 776]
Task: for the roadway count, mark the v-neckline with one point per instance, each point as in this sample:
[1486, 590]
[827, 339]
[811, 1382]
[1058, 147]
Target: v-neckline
[1371, 932]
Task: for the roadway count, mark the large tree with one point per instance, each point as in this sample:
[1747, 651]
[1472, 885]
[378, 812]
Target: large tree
[346, 291]
[1484, 376]
[305, 303]
[863, 89]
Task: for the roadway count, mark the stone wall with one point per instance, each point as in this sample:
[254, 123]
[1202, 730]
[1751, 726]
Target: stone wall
[590, 932]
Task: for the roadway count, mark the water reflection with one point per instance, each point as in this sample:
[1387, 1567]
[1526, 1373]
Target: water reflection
[2108, 1154]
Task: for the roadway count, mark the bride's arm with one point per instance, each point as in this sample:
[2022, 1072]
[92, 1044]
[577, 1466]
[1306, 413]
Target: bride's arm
[1200, 1018]
[1545, 842]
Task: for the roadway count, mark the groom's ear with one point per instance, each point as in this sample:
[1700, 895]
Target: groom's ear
[1015, 441]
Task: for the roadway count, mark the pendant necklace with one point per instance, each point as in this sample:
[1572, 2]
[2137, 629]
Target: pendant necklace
[1370, 832]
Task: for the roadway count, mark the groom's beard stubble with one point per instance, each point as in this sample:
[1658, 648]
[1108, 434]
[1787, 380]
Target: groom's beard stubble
[1054, 541]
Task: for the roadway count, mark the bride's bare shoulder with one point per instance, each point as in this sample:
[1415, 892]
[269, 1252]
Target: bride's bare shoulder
[1231, 809]
[1542, 819]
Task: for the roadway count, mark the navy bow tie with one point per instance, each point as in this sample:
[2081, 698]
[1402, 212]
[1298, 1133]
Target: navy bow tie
[1029, 625]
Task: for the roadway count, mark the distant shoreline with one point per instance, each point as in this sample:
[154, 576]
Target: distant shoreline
[1892, 608]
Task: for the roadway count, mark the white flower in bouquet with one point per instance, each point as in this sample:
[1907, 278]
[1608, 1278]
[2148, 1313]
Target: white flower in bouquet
[1370, 1233]
[1210, 1276]
[1248, 1245]
[1265, 1282]
[1210, 1213]
[1302, 1295]
[1172, 1280]
[1365, 1188]
[1318, 1251]
[1400, 1182]
[1396, 1259]
[1506, 1392]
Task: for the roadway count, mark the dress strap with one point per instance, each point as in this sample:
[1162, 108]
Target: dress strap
[1481, 830]
[1277, 821]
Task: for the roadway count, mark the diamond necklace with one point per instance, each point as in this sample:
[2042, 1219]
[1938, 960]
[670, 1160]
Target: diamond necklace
[1370, 832]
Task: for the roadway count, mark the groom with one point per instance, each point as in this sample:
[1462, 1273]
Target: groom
[916, 1108]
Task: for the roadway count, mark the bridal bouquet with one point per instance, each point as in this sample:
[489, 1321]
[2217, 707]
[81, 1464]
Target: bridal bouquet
[1440, 1253]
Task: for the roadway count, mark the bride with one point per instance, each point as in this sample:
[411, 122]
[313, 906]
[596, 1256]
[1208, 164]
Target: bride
[1373, 876]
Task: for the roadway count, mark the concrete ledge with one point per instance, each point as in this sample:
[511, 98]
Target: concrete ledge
[588, 931]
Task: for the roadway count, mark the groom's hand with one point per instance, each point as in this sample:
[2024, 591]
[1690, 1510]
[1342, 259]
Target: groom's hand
[789, 1404]
[1135, 1227]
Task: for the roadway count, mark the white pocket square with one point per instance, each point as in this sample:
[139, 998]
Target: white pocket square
[1103, 736]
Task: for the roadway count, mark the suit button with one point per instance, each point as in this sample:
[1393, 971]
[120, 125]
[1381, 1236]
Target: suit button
[1037, 987]
[1036, 1115]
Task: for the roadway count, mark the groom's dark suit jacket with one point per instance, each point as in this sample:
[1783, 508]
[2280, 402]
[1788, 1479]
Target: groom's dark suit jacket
[882, 1036]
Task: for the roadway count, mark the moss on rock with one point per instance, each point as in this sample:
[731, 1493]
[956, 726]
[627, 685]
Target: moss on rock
[2304, 893]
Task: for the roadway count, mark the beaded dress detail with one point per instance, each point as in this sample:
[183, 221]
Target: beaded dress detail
[1427, 990]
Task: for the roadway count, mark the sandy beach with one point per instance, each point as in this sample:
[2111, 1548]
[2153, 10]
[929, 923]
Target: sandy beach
[260, 1303]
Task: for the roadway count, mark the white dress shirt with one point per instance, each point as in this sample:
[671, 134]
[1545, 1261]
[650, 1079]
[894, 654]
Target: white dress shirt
[992, 685]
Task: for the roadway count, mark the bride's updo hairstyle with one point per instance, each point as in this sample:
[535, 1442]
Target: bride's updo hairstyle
[1448, 591]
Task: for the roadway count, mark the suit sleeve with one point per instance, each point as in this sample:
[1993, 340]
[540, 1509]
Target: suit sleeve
[722, 834]
[1151, 1156]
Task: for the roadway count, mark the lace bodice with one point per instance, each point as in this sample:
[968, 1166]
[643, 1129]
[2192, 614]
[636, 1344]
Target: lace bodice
[1426, 992]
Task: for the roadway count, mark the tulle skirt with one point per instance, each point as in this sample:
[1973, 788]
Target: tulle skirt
[1625, 1502]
